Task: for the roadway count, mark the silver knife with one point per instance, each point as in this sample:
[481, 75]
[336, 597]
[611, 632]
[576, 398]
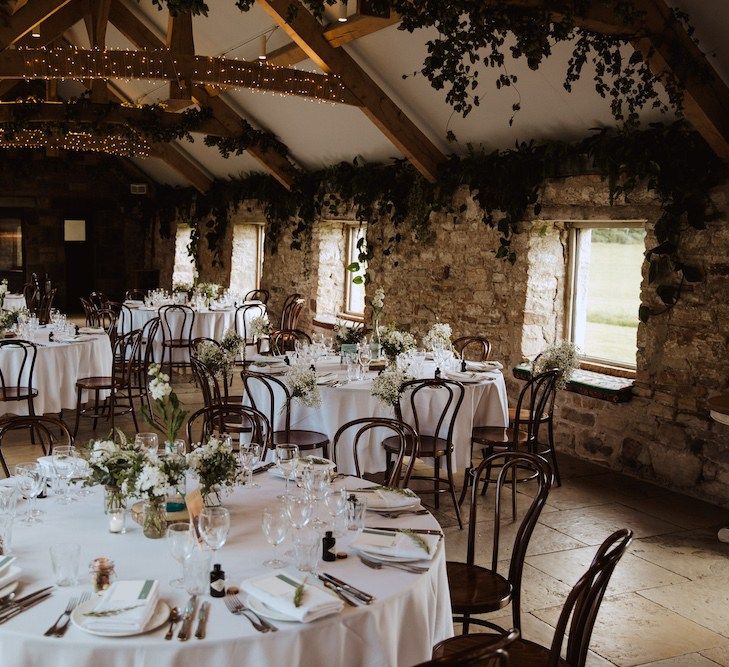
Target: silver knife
[338, 591]
[14, 604]
[21, 608]
[187, 619]
[202, 620]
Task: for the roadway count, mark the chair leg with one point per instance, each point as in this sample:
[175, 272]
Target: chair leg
[513, 493]
[112, 408]
[96, 409]
[134, 413]
[452, 489]
[436, 482]
[5, 465]
[553, 452]
[467, 476]
[78, 412]
[466, 623]
[31, 412]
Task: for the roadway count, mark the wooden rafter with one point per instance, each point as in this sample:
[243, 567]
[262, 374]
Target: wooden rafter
[20, 23]
[180, 40]
[306, 31]
[96, 20]
[56, 24]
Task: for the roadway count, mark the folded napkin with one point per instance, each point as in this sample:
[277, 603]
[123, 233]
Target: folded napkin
[267, 359]
[65, 339]
[380, 497]
[253, 302]
[326, 378]
[10, 576]
[91, 330]
[277, 591]
[127, 605]
[484, 366]
[462, 377]
[5, 563]
[401, 545]
[133, 302]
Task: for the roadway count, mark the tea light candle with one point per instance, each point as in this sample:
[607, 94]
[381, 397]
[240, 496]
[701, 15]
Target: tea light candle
[117, 521]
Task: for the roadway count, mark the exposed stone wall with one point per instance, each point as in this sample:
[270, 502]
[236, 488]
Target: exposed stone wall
[330, 271]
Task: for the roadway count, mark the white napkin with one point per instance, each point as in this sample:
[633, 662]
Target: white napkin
[396, 544]
[325, 378]
[277, 592]
[382, 498]
[133, 302]
[139, 598]
[253, 302]
[91, 330]
[463, 377]
[484, 365]
[10, 576]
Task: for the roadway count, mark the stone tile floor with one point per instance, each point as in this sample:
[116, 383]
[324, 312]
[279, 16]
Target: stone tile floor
[668, 601]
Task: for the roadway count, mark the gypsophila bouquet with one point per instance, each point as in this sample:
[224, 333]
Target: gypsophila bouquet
[3, 291]
[215, 465]
[563, 356]
[395, 342]
[260, 327]
[214, 358]
[182, 287]
[349, 334]
[231, 343]
[301, 380]
[439, 336]
[386, 386]
[171, 415]
[9, 318]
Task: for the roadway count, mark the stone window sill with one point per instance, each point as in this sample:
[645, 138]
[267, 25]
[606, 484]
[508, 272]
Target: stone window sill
[328, 321]
[590, 383]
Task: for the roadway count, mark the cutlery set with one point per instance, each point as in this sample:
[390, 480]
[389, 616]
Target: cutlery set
[14, 606]
[58, 629]
[237, 608]
[346, 592]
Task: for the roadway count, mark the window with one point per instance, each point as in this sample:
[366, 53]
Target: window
[354, 298]
[11, 244]
[605, 277]
[246, 264]
[184, 269]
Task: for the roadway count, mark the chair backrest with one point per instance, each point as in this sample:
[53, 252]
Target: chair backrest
[261, 295]
[291, 311]
[99, 299]
[23, 373]
[412, 390]
[229, 418]
[214, 388]
[268, 384]
[535, 399]
[46, 303]
[484, 651]
[49, 431]
[285, 340]
[126, 354]
[145, 357]
[176, 322]
[89, 312]
[508, 464]
[107, 318]
[32, 297]
[475, 348]
[243, 315]
[134, 295]
[403, 431]
[583, 602]
[125, 322]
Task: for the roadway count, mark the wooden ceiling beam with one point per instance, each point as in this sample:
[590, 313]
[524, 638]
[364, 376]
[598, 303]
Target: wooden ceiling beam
[306, 31]
[96, 20]
[56, 24]
[20, 23]
[180, 40]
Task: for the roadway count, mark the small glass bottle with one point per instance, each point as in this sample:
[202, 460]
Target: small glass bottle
[102, 573]
[328, 543]
[217, 582]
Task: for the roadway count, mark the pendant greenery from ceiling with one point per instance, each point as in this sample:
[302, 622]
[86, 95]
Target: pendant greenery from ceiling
[671, 161]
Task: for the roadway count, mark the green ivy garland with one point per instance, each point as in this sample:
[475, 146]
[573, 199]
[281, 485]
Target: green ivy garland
[672, 161]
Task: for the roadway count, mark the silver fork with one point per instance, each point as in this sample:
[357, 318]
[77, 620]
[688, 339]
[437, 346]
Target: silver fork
[264, 622]
[61, 631]
[395, 514]
[377, 565]
[66, 612]
[238, 609]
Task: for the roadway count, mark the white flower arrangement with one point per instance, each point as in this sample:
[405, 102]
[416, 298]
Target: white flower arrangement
[439, 335]
[113, 462]
[378, 301]
[3, 291]
[301, 380]
[215, 359]
[562, 355]
[151, 481]
[349, 334]
[215, 465]
[171, 414]
[159, 385]
[231, 343]
[182, 287]
[9, 318]
[386, 386]
[208, 290]
[260, 327]
[394, 341]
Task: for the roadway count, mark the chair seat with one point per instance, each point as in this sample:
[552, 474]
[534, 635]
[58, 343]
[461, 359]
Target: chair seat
[430, 446]
[496, 435]
[304, 439]
[176, 342]
[522, 653]
[99, 382]
[476, 590]
[17, 393]
[524, 416]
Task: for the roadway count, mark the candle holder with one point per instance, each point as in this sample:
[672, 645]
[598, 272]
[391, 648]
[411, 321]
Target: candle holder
[118, 521]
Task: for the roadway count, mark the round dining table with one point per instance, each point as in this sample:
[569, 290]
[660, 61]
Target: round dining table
[485, 403]
[410, 614]
[58, 366]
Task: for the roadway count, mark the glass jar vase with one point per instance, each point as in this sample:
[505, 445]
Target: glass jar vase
[154, 521]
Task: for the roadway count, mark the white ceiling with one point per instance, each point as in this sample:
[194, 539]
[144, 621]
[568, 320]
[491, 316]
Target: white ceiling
[320, 134]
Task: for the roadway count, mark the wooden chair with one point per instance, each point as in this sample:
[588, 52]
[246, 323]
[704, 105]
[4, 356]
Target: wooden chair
[242, 315]
[434, 445]
[480, 345]
[117, 384]
[89, 312]
[229, 419]
[107, 319]
[139, 388]
[291, 311]
[285, 340]
[405, 435]
[582, 604]
[480, 590]
[49, 432]
[18, 386]
[535, 403]
[31, 294]
[261, 295]
[99, 300]
[476, 653]
[306, 440]
[176, 335]
[46, 303]
[134, 295]
[215, 389]
[125, 321]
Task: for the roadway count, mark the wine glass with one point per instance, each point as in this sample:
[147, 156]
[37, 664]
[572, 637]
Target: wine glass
[287, 456]
[30, 484]
[364, 356]
[249, 455]
[181, 542]
[275, 524]
[214, 524]
[356, 510]
[299, 510]
[64, 465]
[335, 502]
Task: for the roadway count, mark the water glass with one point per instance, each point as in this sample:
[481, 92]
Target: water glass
[275, 525]
[315, 480]
[307, 548]
[299, 510]
[287, 457]
[8, 500]
[64, 466]
[30, 480]
[65, 562]
[336, 506]
[147, 441]
[196, 571]
[214, 524]
[356, 509]
[249, 455]
[6, 533]
[181, 542]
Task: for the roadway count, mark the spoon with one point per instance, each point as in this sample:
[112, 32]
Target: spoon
[6, 600]
[174, 617]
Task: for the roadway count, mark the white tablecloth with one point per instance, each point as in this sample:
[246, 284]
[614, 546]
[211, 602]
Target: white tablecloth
[57, 368]
[13, 301]
[411, 613]
[484, 404]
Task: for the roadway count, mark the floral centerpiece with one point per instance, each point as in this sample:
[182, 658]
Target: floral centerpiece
[301, 380]
[439, 336]
[216, 466]
[3, 291]
[209, 291]
[170, 415]
[394, 341]
[218, 362]
[260, 327]
[349, 334]
[9, 318]
[563, 356]
[386, 386]
[152, 483]
[182, 287]
[232, 343]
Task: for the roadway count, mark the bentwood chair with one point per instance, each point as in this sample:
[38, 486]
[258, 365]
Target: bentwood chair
[107, 318]
[243, 315]
[99, 300]
[177, 323]
[474, 348]
[139, 388]
[285, 340]
[125, 321]
[438, 444]
[89, 312]
[480, 590]
[582, 604]
[291, 311]
[270, 387]
[404, 433]
[229, 419]
[46, 303]
[118, 384]
[18, 385]
[134, 295]
[49, 432]
[261, 295]
[494, 653]
[31, 293]
[215, 387]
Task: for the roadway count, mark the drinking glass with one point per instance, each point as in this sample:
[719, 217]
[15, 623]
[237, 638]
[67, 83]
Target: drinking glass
[315, 480]
[275, 524]
[196, 571]
[181, 542]
[356, 509]
[148, 441]
[30, 481]
[336, 506]
[6, 533]
[249, 455]
[214, 524]
[352, 367]
[8, 500]
[64, 466]
[307, 547]
[299, 509]
[287, 456]
[65, 561]
[81, 473]
[364, 357]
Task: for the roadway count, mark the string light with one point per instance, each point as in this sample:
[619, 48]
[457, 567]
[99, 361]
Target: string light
[36, 32]
[262, 55]
[87, 142]
[342, 12]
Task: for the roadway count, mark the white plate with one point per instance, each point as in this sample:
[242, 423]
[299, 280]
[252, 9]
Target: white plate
[262, 609]
[160, 616]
